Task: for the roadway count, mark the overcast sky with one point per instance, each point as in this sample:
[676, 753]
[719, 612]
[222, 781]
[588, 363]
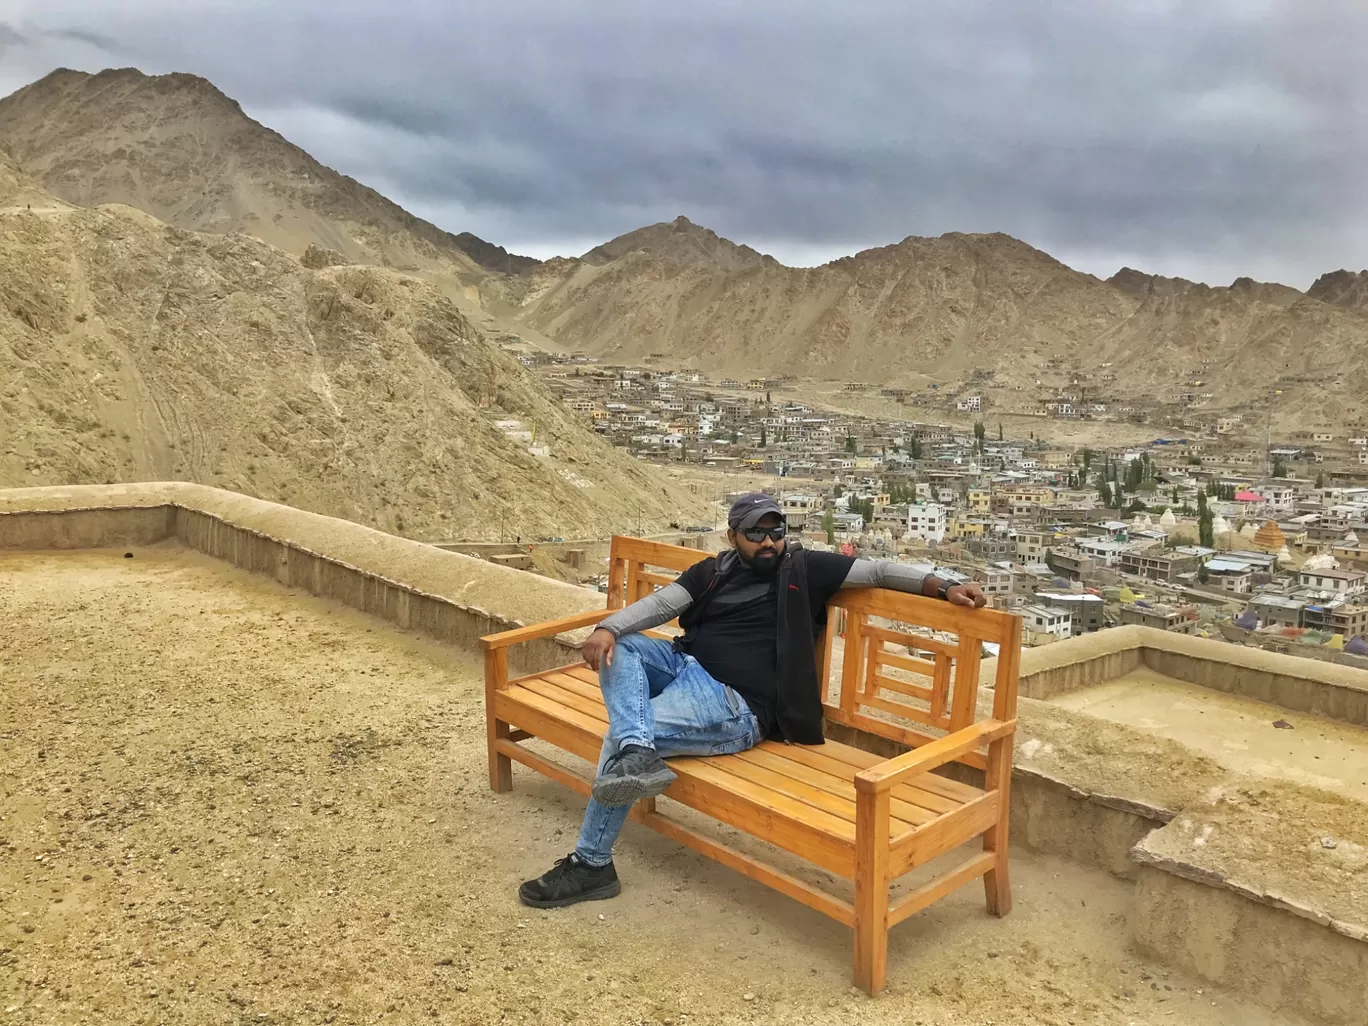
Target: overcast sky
[1207, 139]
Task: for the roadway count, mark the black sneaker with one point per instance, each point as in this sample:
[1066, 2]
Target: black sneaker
[570, 881]
[634, 772]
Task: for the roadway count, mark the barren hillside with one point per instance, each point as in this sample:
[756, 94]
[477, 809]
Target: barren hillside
[132, 350]
[1342, 288]
[179, 149]
[1242, 343]
[953, 303]
[944, 308]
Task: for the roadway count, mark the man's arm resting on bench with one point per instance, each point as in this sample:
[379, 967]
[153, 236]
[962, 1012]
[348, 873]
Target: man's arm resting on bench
[655, 609]
[914, 578]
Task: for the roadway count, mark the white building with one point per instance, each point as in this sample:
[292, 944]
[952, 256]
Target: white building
[970, 404]
[926, 521]
[1278, 496]
[1338, 582]
[1044, 620]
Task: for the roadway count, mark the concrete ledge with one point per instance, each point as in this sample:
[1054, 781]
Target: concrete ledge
[1296, 684]
[450, 597]
[86, 528]
[1281, 960]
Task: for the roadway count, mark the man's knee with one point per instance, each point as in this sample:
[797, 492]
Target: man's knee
[641, 645]
[634, 642]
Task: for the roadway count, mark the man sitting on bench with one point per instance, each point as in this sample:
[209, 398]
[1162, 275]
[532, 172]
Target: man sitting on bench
[744, 670]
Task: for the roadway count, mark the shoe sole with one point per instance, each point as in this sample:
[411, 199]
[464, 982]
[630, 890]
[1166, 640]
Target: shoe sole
[611, 890]
[615, 791]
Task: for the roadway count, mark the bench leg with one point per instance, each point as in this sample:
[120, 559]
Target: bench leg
[997, 886]
[871, 891]
[496, 677]
[500, 765]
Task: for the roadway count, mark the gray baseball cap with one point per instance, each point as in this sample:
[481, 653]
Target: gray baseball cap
[747, 510]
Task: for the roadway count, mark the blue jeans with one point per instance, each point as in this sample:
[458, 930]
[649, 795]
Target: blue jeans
[664, 700]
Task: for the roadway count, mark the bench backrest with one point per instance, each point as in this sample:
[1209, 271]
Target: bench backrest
[889, 680]
[896, 679]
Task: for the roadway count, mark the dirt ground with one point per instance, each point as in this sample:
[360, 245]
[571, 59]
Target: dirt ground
[223, 802]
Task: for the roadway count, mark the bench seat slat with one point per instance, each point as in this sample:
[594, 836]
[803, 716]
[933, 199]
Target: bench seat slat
[838, 759]
[811, 794]
[842, 785]
[557, 693]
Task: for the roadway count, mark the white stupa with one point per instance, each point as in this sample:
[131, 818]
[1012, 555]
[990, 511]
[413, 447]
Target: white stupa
[1137, 524]
[1321, 561]
[1168, 519]
[1283, 557]
[1220, 525]
[1351, 539]
[1248, 532]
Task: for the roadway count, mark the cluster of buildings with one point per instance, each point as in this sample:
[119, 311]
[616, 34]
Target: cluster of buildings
[1076, 540]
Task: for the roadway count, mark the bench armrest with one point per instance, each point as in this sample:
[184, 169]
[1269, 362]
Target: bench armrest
[549, 629]
[887, 775]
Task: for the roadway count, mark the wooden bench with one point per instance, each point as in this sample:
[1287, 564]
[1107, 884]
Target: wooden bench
[859, 816]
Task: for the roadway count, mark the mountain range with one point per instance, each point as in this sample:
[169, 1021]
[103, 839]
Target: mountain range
[985, 311]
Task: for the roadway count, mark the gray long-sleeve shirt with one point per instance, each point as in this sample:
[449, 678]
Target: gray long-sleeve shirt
[665, 604]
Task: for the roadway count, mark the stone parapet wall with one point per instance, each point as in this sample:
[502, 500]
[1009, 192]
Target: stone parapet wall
[1296, 684]
[453, 598]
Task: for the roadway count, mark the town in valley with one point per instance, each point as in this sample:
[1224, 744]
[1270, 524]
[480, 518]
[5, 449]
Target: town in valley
[1212, 525]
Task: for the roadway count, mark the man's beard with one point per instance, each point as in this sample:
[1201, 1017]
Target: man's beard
[764, 562]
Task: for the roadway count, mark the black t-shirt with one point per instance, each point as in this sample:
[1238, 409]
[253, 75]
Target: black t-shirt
[736, 640]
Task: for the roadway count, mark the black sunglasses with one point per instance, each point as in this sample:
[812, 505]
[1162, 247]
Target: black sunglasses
[758, 534]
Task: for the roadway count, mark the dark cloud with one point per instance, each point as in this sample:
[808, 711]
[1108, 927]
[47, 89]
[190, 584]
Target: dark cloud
[9, 37]
[1207, 138]
[76, 35]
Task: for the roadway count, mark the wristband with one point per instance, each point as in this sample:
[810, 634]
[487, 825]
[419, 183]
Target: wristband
[943, 592]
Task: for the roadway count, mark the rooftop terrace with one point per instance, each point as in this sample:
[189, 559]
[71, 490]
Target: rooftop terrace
[229, 794]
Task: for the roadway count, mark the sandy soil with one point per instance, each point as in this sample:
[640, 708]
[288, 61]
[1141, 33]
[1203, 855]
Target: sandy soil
[223, 802]
[1235, 731]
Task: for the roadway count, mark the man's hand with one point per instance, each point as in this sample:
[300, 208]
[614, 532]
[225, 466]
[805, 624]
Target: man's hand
[598, 649]
[970, 593]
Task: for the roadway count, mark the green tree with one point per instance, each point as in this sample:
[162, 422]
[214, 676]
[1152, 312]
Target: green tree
[1203, 574]
[1205, 533]
[1279, 468]
[829, 525]
[915, 449]
[979, 433]
[1320, 480]
[1104, 491]
[837, 490]
[999, 431]
[850, 444]
[764, 437]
